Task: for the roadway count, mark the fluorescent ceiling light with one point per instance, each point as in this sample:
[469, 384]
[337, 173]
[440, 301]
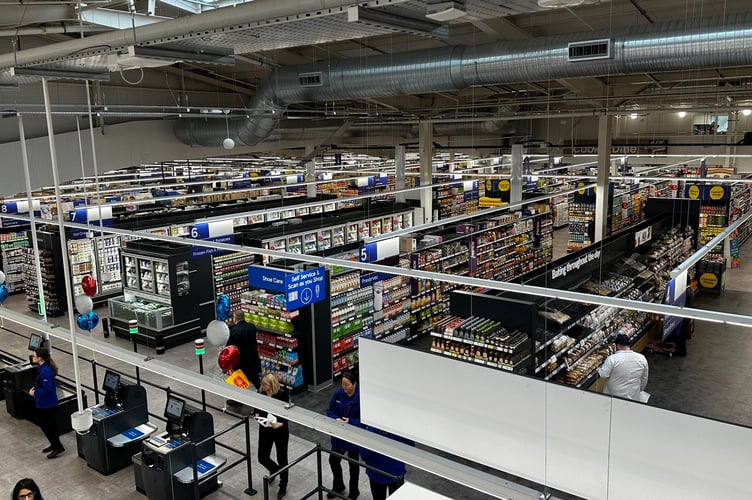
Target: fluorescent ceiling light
[58, 74]
[558, 4]
[445, 11]
[682, 114]
[633, 116]
[747, 112]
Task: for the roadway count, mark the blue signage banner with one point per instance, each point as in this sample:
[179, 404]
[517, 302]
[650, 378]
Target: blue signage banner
[204, 251]
[305, 288]
[371, 278]
[267, 278]
[675, 296]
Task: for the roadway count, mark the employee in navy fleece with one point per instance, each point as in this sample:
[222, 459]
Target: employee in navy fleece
[44, 393]
[345, 407]
[380, 483]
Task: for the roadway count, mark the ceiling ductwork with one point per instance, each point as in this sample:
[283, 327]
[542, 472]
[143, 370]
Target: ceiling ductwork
[675, 46]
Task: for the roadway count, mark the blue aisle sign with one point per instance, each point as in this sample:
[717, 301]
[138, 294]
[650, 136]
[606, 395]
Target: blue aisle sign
[94, 215]
[371, 278]
[20, 207]
[379, 250]
[300, 289]
[219, 231]
[267, 278]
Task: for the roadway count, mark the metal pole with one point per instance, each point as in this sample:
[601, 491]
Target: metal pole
[250, 490]
[94, 381]
[319, 473]
[63, 245]
[42, 309]
[201, 371]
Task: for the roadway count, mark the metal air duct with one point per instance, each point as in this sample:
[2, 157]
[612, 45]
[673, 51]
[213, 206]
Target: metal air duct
[674, 46]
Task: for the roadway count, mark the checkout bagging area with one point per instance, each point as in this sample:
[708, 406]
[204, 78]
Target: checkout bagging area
[177, 463]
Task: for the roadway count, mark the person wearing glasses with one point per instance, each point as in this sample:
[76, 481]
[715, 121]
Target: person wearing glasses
[273, 431]
[44, 393]
[26, 489]
[345, 407]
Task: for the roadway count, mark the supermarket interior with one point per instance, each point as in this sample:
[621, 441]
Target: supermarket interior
[470, 209]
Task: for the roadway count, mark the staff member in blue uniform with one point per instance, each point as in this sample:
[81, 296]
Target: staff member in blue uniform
[345, 407]
[44, 393]
[380, 483]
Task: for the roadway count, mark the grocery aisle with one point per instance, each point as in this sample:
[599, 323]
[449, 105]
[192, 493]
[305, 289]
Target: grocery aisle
[714, 380]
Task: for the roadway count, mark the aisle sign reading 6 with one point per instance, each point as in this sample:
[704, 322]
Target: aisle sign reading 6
[504, 185]
[694, 192]
[717, 192]
[708, 280]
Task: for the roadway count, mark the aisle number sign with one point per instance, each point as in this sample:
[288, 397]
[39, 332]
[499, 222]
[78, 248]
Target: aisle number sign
[379, 250]
[95, 216]
[17, 207]
[300, 289]
[219, 231]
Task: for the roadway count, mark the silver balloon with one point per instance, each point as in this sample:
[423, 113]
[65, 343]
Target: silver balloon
[84, 304]
[217, 332]
[2, 277]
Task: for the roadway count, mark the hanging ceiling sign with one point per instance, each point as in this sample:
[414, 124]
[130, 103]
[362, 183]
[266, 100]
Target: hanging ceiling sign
[95, 216]
[219, 231]
[379, 250]
[18, 207]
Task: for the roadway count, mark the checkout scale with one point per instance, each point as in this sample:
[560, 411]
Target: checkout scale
[164, 469]
[118, 426]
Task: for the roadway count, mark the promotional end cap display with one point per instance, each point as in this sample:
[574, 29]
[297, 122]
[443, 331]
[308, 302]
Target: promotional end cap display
[133, 326]
[199, 346]
[621, 339]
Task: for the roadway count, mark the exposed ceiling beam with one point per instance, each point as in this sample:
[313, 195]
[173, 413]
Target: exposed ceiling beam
[215, 81]
[118, 19]
[641, 11]
[502, 28]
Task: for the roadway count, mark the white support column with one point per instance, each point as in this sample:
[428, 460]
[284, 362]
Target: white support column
[515, 193]
[310, 173]
[605, 128]
[399, 176]
[425, 141]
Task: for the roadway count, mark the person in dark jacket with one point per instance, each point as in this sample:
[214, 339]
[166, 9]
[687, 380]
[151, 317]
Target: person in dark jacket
[26, 489]
[243, 336]
[380, 483]
[273, 430]
[345, 407]
[44, 393]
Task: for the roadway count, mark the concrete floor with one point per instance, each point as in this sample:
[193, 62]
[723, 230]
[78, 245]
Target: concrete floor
[714, 381]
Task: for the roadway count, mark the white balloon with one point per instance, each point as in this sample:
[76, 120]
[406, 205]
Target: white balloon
[217, 332]
[2, 277]
[84, 304]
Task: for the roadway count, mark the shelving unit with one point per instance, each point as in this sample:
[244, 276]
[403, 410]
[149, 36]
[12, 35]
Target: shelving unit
[714, 219]
[455, 199]
[391, 323]
[51, 264]
[13, 255]
[352, 317]
[277, 335]
[230, 273]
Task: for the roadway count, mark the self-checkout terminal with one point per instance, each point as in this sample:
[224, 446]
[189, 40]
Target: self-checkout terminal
[118, 426]
[167, 459]
[18, 379]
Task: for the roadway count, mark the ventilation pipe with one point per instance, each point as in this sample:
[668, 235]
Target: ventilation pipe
[674, 46]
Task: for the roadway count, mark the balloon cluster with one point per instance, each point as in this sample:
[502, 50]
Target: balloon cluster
[87, 319]
[217, 332]
[3, 288]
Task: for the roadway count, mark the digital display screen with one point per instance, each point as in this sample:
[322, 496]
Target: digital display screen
[174, 409]
[35, 342]
[111, 381]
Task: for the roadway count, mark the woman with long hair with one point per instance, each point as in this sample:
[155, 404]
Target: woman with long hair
[273, 432]
[26, 489]
[44, 393]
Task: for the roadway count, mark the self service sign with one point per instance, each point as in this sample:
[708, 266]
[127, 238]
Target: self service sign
[300, 289]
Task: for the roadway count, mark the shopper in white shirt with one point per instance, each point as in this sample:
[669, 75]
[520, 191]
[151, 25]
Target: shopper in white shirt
[626, 371]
